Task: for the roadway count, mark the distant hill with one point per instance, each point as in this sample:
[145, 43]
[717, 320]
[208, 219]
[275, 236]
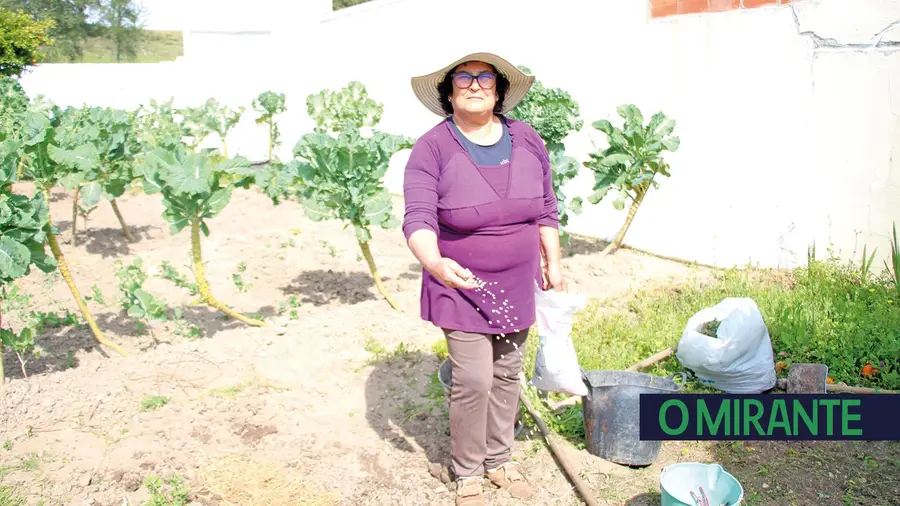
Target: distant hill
[155, 46]
[340, 4]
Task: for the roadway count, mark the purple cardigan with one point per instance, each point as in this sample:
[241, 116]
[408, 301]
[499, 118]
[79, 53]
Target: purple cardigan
[486, 218]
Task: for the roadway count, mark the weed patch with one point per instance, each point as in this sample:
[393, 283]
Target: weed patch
[829, 312]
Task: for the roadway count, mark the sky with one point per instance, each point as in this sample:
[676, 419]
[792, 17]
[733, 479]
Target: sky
[220, 14]
[164, 14]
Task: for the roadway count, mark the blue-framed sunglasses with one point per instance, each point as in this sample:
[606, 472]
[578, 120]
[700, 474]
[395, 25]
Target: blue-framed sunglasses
[486, 80]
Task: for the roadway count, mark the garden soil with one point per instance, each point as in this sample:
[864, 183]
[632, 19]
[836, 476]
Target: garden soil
[339, 409]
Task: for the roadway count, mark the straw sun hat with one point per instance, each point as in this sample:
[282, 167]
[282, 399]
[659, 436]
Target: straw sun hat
[425, 87]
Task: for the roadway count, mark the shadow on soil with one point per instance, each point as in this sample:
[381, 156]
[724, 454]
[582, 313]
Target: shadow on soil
[645, 499]
[583, 246]
[107, 242]
[60, 344]
[415, 272]
[321, 287]
[405, 404]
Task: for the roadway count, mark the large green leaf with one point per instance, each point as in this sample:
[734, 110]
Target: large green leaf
[36, 128]
[616, 159]
[39, 257]
[316, 210]
[192, 176]
[217, 202]
[177, 222]
[235, 165]
[597, 195]
[660, 126]
[379, 208]
[672, 143]
[14, 258]
[604, 126]
[82, 157]
[91, 194]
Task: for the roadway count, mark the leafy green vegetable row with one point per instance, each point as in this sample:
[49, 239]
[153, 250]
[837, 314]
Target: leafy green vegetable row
[335, 172]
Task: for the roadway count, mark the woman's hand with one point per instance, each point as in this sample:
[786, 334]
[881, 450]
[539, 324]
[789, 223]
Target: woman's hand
[451, 274]
[553, 278]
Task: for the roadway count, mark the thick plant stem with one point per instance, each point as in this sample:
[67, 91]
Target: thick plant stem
[638, 198]
[203, 285]
[64, 270]
[74, 215]
[367, 253]
[121, 219]
[2, 374]
[271, 139]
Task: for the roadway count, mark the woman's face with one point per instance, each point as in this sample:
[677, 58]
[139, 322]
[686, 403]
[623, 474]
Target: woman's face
[478, 95]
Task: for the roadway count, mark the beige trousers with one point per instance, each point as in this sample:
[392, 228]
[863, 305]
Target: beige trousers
[484, 399]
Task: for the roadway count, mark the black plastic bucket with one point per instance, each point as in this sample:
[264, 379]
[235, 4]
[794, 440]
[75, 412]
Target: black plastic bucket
[445, 376]
[612, 414]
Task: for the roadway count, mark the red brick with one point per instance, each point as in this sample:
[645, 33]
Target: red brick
[692, 6]
[724, 5]
[749, 4]
[661, 8]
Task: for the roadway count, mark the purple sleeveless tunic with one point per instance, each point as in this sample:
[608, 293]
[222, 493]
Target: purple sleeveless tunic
[486, 218]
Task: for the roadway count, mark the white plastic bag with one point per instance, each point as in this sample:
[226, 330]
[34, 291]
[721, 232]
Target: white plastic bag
[556, 366]
[740, 359]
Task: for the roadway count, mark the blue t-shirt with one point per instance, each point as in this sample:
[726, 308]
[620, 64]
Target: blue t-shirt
[493, 154]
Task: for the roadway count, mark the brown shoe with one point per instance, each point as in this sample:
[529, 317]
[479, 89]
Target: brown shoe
[508, 478]
[469, 492]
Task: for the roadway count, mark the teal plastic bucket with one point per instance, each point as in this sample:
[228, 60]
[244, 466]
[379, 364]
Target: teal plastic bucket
[676, 482]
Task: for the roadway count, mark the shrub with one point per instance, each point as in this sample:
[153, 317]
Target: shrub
[22, 39]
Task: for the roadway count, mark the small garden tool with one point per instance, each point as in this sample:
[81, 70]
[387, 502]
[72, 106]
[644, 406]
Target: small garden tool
[702, 499]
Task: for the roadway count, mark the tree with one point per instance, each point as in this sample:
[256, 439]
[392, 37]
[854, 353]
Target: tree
[22, 40]
[122, 23]
[70, 24]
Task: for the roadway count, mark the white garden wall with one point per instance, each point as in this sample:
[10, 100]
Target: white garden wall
[787, 113]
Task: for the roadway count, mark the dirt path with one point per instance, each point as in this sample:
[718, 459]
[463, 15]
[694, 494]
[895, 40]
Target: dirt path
[343, 401]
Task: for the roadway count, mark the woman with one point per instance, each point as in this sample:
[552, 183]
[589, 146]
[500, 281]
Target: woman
[481, 217]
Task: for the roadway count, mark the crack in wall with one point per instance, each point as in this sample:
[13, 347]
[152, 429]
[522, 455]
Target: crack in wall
[828, 44]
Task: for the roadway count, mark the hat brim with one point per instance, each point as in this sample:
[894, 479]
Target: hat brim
[425, 87]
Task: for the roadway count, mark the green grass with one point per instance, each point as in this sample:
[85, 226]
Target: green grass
[825, 313]
[155, 46]
[153, 402]
[9, 497]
